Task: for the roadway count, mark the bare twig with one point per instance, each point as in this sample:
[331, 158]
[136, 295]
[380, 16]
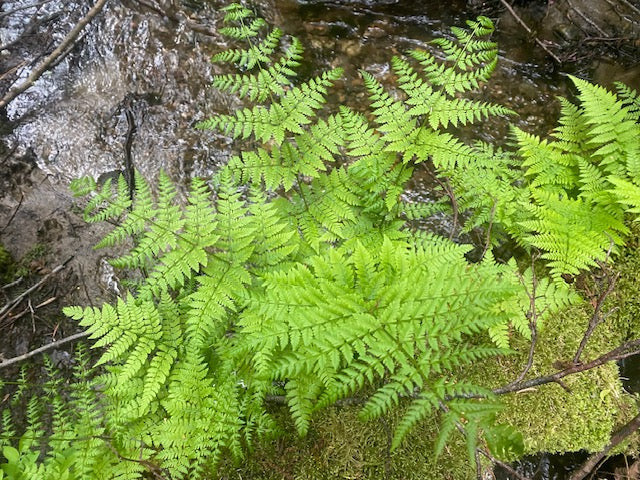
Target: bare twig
[446, 187]
[587, 19]
[533, 320]
[16, 301]
[23, 7]
[631, 6]
[13, 69]
[42, 349]
[15, 211]
[623, 351]
[529, 31]
[586, 468]
[12, 284]
[513, 472]
[596, 319]
[44, 66]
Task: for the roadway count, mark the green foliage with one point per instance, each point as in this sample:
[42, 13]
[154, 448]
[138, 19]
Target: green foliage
[296, 274]
[577, 186]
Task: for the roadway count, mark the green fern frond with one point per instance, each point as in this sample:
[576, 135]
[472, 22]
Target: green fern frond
[294, 111]
[248, 58]
[572, 235]
[627, 193]
[268, 81]
[283, 166]
[391, 324]
[236, 12]
[244, 31]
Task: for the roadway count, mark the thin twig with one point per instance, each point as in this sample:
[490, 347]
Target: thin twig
[23, 7]
[533, 319]
[12, 284]
[15, 211]
[596, 319]
[623, 351]
[502, 465]
[16, 301]
[44, 66]
[586, 468]
[529, 31]
[586, 19]
[44, 348]
[632, 7]
[446, 187]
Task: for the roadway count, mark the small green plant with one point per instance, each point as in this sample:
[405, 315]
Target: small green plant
[293, 272]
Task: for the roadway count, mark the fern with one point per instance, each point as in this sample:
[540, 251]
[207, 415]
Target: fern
[346, 320]
[296, 273]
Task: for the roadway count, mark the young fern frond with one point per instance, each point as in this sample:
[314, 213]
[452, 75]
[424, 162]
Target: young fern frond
[268, 81]
[243, 31]
[260, 54]
[282, 166]
[295, 109]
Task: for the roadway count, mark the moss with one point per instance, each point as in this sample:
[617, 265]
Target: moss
[7, 265]
[340, 446]
[551, 418]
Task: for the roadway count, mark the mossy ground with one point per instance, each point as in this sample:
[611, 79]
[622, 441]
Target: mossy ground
[550, 418]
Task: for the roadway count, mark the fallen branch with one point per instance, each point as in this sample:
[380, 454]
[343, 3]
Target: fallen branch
[529, 31]
[44, 66]
[587, 19]
[16, 301]
[623, 351]
[586, 468]
[15, 211]
[635, 9]
[44, 348]
[596, 319]
[23, 7]
[12, 284]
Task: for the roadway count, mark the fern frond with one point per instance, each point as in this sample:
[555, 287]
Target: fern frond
[294, 110]
[243, 31]
[268, 81]
[248, 58]
[571, 234]
[282, 166]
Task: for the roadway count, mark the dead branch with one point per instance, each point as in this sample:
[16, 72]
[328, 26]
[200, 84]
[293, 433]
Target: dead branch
[12, 284]
[586, 468]
[596, 319]
[23, 7]
[8, 308]
[533, 320]
[44, 66]
[42, 349]
[623, 351]
[15, 211]
[529, 31]
[632, 7]
[586, 19]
